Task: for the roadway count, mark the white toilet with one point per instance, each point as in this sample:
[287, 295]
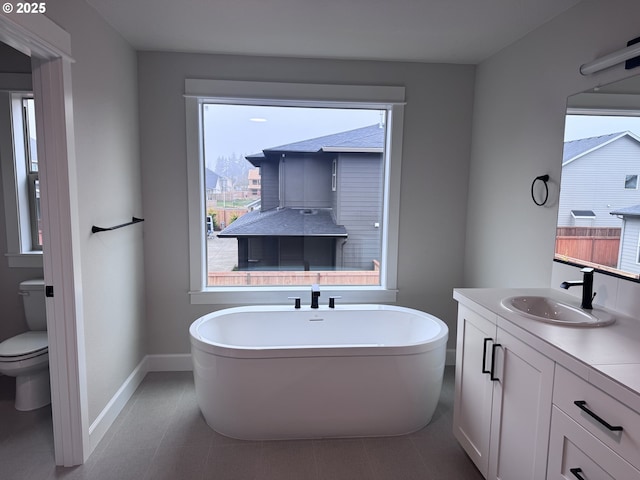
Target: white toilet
[26, 356]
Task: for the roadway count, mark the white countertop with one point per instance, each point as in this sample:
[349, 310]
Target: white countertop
[607, 357]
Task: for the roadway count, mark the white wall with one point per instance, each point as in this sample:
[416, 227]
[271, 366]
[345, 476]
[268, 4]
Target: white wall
[518, 125]
[434, 175]
[104, 82]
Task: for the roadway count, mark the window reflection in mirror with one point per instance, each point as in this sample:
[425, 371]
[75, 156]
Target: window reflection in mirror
[599, 206]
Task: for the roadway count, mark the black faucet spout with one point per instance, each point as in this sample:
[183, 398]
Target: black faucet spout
[571, 283]
[587, 287]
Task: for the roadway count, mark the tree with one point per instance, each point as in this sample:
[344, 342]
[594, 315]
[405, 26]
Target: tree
[234, 168]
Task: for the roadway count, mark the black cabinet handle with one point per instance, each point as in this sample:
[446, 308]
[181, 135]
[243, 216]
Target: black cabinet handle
[576, 473]
[484, 355]
[493, 362]
[581, 404]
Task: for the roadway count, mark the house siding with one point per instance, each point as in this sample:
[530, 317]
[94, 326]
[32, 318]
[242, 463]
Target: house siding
[270, 186]
[306, 182]
[586, 185]
[359, 208]
[628, 260]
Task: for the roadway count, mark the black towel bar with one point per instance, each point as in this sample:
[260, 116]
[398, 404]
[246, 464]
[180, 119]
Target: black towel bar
[134, 220]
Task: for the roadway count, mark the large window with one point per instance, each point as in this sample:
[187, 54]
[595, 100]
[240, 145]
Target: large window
[599, 205]
[20, 179]
[326, 159]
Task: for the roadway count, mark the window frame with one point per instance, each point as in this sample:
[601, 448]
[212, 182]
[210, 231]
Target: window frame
[16, 178]
[389, 98]
[626, 180]
[334, 175]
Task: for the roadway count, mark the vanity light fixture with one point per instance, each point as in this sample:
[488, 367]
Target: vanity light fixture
[630, 52]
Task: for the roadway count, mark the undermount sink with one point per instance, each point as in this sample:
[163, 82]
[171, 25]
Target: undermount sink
[548, 310]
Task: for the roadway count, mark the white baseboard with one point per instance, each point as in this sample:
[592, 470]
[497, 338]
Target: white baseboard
[150, 363]
[107, 416]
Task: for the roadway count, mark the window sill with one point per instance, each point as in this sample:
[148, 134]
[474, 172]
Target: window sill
[25, 260]
[280, 296]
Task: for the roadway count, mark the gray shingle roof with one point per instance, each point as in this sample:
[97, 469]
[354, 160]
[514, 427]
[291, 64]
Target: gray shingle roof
[633, 211]
[365, 137]
[285, 222]
[575, 148]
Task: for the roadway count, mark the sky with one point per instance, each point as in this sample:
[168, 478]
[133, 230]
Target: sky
[584, 126]
[245, 130]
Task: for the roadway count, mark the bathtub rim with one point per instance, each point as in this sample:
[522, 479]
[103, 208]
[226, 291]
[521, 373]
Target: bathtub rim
[335, 350]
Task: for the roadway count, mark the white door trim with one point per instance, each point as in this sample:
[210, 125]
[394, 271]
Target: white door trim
[49, 47]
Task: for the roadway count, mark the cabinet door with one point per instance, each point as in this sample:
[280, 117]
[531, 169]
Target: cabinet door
[576, 454]
[521, 414]
[473, 395]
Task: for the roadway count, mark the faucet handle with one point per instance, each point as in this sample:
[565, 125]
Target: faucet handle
[297, 301]
[587, 270]
[332, 301]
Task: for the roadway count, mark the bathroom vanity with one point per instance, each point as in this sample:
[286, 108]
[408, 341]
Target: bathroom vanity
[538, 400]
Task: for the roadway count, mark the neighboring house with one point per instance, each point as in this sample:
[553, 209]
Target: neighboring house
[254, 183]
[629, 255]
[213, 183]
[599, 174]
[321, 205]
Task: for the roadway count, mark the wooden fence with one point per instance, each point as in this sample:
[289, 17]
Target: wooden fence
[595, 245]
[291, 278]
[224, 216]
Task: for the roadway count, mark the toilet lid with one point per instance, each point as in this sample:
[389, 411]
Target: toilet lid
[23, 344]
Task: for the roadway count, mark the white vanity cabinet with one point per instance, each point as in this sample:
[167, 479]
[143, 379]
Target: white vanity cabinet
[540, 401]
[502, 400]
[474, 388]
[593, 435]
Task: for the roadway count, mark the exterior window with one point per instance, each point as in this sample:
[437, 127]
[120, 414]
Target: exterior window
[304, 228]
[19, 159]
[334, 175]
[33, 184]
[281, 220]
[631, 182]
[598, 216]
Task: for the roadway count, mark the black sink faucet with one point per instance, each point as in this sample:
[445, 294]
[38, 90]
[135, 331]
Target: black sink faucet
[315, 293]
[587, 287]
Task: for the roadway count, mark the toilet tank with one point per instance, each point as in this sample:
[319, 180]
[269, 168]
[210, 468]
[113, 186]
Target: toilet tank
[32, 292]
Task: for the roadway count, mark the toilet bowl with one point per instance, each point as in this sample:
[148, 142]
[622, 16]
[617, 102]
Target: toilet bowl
[26, 356]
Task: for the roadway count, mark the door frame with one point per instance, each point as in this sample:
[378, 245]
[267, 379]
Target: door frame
[49, 47]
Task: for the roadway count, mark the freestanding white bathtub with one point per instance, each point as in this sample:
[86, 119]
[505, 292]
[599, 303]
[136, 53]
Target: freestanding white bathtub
[275, 372]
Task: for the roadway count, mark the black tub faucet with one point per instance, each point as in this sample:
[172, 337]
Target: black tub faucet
[315, 293]
[587, 287]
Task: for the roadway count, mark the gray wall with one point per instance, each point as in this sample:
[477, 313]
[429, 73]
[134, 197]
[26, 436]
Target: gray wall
[12, 61]
[434, 174]
[104, 82]
[518, 125]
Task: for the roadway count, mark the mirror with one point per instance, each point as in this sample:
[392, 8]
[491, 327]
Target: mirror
[599, 205]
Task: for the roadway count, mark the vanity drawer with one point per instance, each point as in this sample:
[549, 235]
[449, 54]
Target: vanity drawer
[599, 413]
[575, 454]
